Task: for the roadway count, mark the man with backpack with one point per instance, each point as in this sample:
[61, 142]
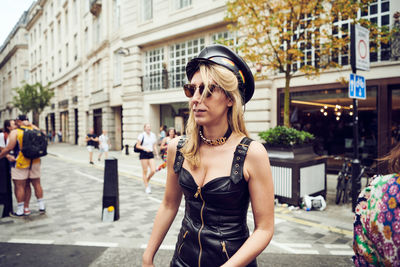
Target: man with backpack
[27, 143]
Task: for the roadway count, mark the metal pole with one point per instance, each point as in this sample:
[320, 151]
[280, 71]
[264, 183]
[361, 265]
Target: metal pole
[355, 166]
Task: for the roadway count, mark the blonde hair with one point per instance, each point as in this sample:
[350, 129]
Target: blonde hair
[228, 81]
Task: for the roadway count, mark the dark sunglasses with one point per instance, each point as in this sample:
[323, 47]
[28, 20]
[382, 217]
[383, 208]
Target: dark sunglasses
[190, 89]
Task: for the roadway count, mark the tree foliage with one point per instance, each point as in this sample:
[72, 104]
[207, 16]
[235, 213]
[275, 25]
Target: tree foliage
[288, 36]
[33, 97]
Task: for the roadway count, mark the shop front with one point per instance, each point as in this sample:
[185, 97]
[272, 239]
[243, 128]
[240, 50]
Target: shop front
[327, 112]
[174, 115]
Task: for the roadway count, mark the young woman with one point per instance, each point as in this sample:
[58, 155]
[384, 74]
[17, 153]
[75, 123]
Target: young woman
[218, 169]
[104, 144]
[376, 240]
[147, 142]
[164, 145]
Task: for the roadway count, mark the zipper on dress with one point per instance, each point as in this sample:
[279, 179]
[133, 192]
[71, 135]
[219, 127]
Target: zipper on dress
[224, 249]
[198, 193]
[183, 241]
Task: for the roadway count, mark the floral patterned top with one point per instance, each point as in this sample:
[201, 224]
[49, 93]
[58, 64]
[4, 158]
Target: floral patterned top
[376, 239]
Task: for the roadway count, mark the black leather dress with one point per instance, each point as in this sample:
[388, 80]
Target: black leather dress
[214, 226]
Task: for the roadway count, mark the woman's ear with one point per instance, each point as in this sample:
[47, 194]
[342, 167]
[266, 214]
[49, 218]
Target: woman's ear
[230, 103]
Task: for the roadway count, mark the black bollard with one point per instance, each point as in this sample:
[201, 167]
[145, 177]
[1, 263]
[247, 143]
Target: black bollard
[5, 187]
[126, 149]
[110, 186]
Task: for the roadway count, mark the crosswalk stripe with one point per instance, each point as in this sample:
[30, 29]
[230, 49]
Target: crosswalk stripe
[31, 241]
[342, 252]
[337, 246]
[95, 244]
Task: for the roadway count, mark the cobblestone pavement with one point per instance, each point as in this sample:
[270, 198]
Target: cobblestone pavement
[73, 193]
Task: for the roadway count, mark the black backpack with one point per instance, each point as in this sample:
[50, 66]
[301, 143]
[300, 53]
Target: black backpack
[34, 144]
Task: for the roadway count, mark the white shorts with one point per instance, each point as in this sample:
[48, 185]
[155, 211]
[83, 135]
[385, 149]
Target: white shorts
[104, 148]
[90, 148]
[23, 174]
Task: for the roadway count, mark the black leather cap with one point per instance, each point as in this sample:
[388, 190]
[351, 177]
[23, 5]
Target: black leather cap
[223, 56]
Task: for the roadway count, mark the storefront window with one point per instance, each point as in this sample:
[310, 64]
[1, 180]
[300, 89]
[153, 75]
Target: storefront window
[395, 121]
[328, 114]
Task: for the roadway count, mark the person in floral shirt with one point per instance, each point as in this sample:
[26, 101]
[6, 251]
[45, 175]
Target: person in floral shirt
[376, 239]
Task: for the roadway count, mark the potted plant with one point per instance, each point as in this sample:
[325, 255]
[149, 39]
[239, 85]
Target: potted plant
[284, 142]
[296, 170]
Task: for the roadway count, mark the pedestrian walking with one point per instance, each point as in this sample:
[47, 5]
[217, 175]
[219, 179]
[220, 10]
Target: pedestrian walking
[163, 147]
[91, 142]
[59, 135]
[218, 169]
[24, 170]
[147, 142]
[104, 144]
[376, 239]
[5, 167]
[163, 133]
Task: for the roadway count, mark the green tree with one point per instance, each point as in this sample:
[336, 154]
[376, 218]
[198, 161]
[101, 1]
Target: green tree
[289, 36]
[33, 97]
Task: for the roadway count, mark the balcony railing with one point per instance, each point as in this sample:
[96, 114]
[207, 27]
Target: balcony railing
[163, 80]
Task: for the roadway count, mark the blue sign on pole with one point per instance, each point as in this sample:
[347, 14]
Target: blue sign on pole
[357, 87]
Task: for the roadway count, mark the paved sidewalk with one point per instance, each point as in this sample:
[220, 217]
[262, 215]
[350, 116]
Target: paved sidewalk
[129, 165]
[74, 195]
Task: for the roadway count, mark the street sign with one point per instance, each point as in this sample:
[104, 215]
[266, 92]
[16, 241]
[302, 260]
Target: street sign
[357, 87]
[361, 47]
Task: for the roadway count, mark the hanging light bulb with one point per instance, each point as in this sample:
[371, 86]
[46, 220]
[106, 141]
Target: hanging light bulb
[325, 113]
[325, 107]
[351, 106]
[351, 113]
[322, 110]
[337, 118]
[339, 113]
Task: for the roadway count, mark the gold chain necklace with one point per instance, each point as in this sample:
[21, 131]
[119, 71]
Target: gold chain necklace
[218, 141]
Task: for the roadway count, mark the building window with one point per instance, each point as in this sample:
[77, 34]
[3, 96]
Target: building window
[59, 61]
[52, 66]
[66, 54]
[86, 40]
[97, 31]
[26, 75]
[97, 85]
[75, 47]
[179, 55]
[66, 22]
[226, 38]
[182, 3]
[59, 30]
[117, 14]
[117, 69]
[153, 66]
[147, 9]
[86, 85]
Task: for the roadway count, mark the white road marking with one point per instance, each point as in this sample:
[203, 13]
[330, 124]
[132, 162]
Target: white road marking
[288, 249]
[162, 247]
[337, 246]
[342, 252]
[89, 176]
[297, 245]
[31, 241]
[95, 244]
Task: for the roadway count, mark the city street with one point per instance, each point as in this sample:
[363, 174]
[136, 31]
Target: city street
[71, 232]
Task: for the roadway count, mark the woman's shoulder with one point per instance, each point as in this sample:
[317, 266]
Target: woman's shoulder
[256, 150]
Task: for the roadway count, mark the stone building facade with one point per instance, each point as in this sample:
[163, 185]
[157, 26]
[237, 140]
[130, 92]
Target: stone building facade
[14, 67]
[115, 65]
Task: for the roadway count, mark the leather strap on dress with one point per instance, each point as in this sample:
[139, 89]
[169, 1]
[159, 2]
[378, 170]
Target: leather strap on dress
[238, 159]
[179, 157]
